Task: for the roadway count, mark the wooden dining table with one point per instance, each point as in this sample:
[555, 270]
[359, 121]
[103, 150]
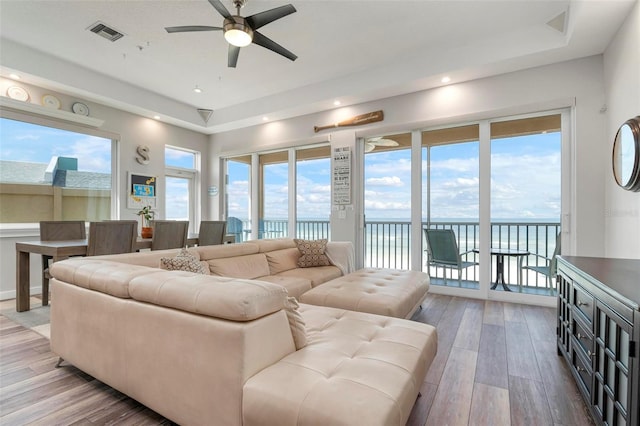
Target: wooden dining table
[60, 250]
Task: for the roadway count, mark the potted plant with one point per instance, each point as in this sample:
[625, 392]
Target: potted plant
[147, 216]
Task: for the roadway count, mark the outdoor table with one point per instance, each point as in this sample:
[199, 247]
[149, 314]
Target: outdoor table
[500, 253]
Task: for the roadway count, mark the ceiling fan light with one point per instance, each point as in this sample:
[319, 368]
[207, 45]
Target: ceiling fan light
[237, 32]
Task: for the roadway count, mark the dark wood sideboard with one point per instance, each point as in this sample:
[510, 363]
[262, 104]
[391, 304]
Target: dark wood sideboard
[599, 333]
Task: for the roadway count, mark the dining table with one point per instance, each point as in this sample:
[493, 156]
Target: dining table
[60, 250]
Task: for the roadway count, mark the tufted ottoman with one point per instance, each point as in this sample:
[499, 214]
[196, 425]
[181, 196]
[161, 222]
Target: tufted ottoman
[391, 292]
[357, 369]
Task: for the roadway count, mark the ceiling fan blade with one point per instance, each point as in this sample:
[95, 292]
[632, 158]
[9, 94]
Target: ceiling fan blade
[382, 142]
[189, 28]
[368, 147]
[234, 51]
[217, 4]
[267, 43]
[263, 18]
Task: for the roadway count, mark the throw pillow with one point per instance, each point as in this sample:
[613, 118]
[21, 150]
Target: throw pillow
[296, 323]
[312, 253]
[184, 261]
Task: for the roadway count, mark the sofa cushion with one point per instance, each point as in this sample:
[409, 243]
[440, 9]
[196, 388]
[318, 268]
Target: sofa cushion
[357, 369]
[317, 275]
[312, 253]
[282, 260]
[225, 250]
[296, 323]
[221, 297]
[391, 292]
[248, 267]
[101, 275]
[185, 261]
[271, 244]
[295, 286]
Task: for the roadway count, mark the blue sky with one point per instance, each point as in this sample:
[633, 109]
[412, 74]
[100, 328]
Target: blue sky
[525, 183]
[37, 144]
[525, 176]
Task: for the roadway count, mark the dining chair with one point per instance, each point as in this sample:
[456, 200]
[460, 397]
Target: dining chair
[443, 251]
[168, 234]
[550, 264]
[112, 237]
[212, 232]
[57, 230]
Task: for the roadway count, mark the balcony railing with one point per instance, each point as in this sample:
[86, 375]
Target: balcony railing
[387, 244]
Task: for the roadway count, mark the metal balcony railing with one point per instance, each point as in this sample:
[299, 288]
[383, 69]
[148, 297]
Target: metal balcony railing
[387, 244]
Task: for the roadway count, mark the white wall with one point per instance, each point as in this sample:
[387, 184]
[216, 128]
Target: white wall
[622, 83]
[577, 84]
[132, 130]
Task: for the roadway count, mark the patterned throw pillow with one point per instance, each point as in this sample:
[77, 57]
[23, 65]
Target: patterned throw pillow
[312, 253]
[184, 261]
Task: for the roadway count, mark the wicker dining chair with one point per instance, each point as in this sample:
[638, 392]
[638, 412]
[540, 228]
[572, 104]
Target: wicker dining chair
[212, 232]
[168, 234]
[112, 237]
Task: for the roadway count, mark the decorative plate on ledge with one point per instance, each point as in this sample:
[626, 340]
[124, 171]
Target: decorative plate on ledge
[18, 93]
[51, 101]
[80, 108]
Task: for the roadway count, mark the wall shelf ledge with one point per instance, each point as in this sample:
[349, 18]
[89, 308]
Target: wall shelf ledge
[39, 110]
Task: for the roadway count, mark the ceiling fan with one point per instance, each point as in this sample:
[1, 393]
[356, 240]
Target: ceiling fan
[240, 31]
[371, 143]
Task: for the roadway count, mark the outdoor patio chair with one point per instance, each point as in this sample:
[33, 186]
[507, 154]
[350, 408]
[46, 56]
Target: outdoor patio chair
[550, 266]
[212, 232]
[168, 234]
[234, 227]
[443, 251]
[112, 237]
[57, 230]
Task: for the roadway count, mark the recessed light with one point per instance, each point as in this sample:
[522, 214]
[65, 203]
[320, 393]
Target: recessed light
[197, 89]
[156, 117]
[445, 79]
[14, 76]
[336, 102]
[265, 118]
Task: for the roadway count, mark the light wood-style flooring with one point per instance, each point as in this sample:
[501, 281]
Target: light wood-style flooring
[496, 365]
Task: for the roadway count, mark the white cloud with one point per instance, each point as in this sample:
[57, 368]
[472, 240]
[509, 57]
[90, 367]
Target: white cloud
[385, 181]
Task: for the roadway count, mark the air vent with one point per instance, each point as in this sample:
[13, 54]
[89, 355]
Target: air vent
[559, 22]
[104, 31]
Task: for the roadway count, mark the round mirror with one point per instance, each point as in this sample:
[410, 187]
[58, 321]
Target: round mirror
[626, 155]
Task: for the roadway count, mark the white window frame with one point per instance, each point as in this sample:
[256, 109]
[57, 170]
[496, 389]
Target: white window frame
[194, 178]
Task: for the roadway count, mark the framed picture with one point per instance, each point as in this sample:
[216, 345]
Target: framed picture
[142, 191]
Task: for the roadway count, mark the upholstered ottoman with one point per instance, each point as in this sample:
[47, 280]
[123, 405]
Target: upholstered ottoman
[391, 292]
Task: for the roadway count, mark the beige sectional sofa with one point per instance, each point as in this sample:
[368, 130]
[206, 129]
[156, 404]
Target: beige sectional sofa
[207, 349]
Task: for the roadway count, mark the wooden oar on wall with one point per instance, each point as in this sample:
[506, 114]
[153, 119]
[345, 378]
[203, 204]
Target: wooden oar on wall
[358, 120]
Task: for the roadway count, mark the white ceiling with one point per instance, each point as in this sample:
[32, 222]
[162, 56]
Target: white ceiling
[352, 50]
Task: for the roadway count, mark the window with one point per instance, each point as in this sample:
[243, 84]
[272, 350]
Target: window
[274, 206]
[52, 174]
[237, 199]
[313, 187]
[526, 197]
[181, 173]
[451, 197]
[387, 201]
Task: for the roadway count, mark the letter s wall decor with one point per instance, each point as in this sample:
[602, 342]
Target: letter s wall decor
[142, 154]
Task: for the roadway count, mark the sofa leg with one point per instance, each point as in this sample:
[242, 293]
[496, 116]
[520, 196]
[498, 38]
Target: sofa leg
[59, 363]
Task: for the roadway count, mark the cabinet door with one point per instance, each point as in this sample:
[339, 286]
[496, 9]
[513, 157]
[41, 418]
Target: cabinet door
[612, 381]
[564, 313]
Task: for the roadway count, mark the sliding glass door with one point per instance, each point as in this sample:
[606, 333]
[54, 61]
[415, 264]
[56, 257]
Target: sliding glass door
[525, 203]
[451, 203]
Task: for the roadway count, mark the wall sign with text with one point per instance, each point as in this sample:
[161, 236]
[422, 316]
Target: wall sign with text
[342, 175]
